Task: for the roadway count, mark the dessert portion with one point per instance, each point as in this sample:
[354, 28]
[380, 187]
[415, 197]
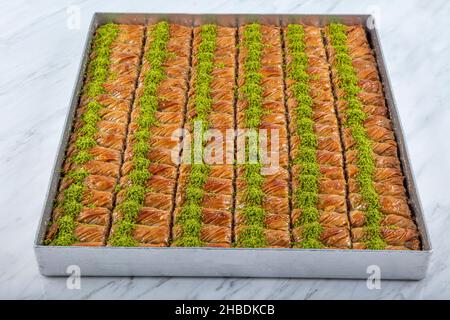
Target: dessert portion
[142, 216]
[379, 212]
[92, 167]
[319, 213]
[262, 183]
[204, 204]
[256, 136]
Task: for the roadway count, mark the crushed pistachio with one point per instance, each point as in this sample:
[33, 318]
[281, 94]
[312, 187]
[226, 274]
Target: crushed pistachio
[97, 75]
[190, 218]
[148, 103]
[348, 83]
[305, 196]
[252, 235]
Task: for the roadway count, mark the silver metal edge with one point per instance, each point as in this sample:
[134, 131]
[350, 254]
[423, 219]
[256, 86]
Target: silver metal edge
[231, 18]
[226, 263]
[100, 18]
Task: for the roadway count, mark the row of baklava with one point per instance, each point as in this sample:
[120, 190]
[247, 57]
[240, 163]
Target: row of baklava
[319, 212]
[157, 113]
[91, 170]
[211, 106]
[262, 198]
[396, 228]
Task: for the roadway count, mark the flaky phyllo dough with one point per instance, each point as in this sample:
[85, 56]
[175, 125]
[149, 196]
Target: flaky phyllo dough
[131, 176]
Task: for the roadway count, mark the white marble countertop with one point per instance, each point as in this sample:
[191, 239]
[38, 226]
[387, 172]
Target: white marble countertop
[39, 57]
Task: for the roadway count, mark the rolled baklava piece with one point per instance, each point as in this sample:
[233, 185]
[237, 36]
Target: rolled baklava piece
[142, 216]
[262, 217]
[204, 202]
[319, 214]
[91, 170]
[380, 215]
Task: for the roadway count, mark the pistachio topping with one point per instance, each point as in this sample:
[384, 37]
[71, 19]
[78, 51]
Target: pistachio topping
[348, 83]
[148, 105]
[97, 75]
[190, 217]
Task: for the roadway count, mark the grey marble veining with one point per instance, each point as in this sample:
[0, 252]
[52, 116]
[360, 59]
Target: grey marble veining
[39, 57]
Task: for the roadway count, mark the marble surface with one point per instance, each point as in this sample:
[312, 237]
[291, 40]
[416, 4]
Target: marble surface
[39, 54]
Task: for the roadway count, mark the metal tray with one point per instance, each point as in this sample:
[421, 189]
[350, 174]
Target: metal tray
[234, 262]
